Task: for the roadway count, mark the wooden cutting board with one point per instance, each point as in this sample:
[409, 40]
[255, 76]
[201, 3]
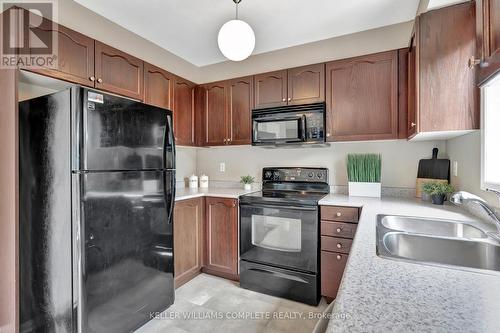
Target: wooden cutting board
[422, 181]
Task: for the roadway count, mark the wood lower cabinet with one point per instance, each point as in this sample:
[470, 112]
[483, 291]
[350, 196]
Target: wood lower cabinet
[443, 95]
[240, 111]
[271, 89]
[306, 84]
[221, 242]
[338, 228]
[158, 86]
[118, 72]
[188, 239]
[362, 98]
[184, 113]
[487, 38]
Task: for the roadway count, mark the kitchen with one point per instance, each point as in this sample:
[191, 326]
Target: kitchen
[313, 240]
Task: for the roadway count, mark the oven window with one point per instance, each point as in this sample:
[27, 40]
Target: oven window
[276, 233]
[285, 129]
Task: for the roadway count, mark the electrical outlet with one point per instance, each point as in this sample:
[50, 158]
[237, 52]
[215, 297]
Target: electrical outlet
[222, 167]
[455, 168]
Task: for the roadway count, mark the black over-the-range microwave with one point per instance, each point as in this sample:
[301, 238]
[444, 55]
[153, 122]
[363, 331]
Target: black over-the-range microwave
[289, 125]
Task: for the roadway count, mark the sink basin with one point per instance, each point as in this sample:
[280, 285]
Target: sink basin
[433, 227]
[436, 242]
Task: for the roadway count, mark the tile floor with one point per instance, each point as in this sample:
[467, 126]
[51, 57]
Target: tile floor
[211, 304]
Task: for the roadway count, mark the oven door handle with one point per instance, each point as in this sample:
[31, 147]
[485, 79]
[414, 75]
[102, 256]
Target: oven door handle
[258, 205]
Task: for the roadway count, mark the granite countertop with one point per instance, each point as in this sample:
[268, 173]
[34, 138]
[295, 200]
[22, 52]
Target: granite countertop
[190, 193]
[383, 295]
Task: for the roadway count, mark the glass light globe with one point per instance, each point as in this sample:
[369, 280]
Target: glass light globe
[236, 40]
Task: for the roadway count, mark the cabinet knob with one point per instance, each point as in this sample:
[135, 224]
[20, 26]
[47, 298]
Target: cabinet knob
[225, 140]
[339, 257]
[328, 135]
[99, 80]
[339, 214]
[92, 78]
[413, 124]
[339, 245]
[473, 62]
[284, 99]
[289, 99]
[339, 230]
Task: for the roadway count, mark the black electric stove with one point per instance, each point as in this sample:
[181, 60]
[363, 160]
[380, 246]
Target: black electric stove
[279, 234]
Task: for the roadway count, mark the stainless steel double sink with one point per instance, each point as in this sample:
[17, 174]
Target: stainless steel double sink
[436, 242]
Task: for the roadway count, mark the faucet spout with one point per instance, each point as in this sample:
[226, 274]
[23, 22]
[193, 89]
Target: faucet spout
[463, 198]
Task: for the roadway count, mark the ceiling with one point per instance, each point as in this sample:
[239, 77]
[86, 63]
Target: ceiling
[189, 28]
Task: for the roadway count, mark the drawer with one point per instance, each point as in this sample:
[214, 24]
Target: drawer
[341, 214]
[338, 229]
[332, 269]
[335, 244]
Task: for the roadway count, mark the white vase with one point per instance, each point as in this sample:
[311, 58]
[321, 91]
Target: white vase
[248, 187]
[361, 189]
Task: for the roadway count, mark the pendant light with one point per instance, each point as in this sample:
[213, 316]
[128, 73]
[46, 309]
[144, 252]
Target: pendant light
[236, 38]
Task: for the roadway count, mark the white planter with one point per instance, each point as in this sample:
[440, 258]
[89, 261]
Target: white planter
[248, 187]
[359, 189]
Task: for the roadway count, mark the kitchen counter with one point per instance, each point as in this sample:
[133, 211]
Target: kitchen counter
[189, 193]
[382, 295]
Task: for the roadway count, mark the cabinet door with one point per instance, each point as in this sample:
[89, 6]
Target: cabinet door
[362, 98]
[447, 91]
[306, 84]
[215, 114]
[75, 57]
[118, 72]
[332, 269]
[158, 87]
[188, 239]
[488, 37]
[403, 93]
[240, 111]
[412, 123]
[184, 120]
[221, 243]
[271, 89]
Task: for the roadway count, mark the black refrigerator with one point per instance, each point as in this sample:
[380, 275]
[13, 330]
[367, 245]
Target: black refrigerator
[97, 189]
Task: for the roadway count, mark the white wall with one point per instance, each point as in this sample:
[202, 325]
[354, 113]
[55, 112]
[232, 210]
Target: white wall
[185, 162]
[466, 150]
[399, 160]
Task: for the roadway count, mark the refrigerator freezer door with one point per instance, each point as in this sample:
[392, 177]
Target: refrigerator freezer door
[45, 291]
[127, 259]
[121, 134]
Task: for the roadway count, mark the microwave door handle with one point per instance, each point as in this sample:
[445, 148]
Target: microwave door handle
[303, 127]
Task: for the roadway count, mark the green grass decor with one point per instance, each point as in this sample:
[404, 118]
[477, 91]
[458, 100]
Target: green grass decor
[364, 168]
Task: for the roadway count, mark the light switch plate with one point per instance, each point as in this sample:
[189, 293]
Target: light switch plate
[222, 167]
[455, 168]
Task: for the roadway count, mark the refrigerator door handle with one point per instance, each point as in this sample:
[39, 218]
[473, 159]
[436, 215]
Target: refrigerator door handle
[172, 201]
[77, 252]
[169, 143]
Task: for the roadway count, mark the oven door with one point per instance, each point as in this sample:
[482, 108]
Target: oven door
[279, 130]
[280, 235]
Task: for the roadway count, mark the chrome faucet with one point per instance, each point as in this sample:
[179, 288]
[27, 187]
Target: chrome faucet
[463, 198]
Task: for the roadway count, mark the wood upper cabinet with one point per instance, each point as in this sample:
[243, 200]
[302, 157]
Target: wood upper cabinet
[240, 111]
[487, 38]
[403, 93]
[118, 72]
[75, 56]
[306, 84]
[158, 86]
[215, 113]
[221, 243]
[443, 85]
[362, 98]
[184, 118]
[188, 239]
[271, 89]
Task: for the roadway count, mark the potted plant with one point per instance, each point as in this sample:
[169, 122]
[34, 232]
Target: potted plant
[363, 173]
[438, 191]
[247, 181]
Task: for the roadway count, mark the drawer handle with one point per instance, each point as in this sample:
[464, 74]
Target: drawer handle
[339, 214]
[339, 230]
[339, 245]
[339, 257]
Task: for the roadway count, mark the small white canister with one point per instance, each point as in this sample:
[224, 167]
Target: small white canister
[193, 181]
[204, 181]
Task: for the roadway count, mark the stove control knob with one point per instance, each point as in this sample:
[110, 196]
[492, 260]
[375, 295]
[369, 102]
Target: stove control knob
[268, 175]
[310, 174]
[276, 175]
[320, 175]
